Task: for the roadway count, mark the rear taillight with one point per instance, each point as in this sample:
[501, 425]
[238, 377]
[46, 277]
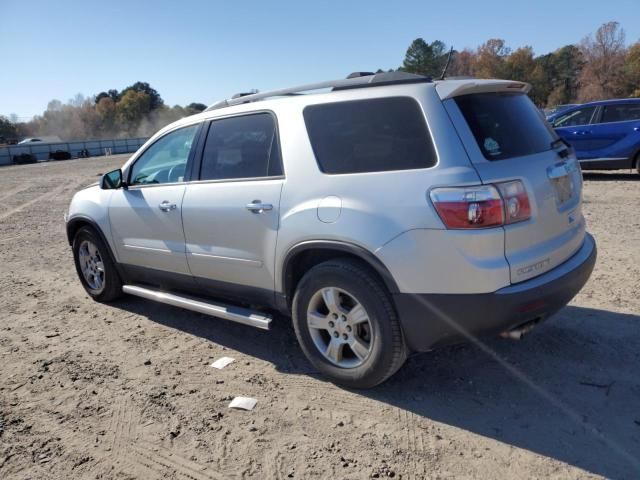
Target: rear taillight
[516, 201]
[468, 207]
[481, 206]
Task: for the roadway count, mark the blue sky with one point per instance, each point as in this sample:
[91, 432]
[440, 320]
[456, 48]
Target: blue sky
[193, 50]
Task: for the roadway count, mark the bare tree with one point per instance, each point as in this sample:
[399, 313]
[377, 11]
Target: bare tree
[462, 64]
[604, 55]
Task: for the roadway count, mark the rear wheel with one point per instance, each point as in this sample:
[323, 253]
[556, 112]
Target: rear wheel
[637, 163]
[346, 324]
[95, 267]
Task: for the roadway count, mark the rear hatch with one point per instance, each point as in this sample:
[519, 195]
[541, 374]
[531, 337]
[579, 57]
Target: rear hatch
[507, 138]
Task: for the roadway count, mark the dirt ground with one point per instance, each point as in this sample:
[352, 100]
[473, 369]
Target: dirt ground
[126, 391]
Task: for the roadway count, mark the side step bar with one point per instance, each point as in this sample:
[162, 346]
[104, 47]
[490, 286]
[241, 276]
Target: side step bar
[227, 312]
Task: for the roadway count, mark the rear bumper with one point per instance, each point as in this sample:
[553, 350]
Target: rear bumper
[433, 320]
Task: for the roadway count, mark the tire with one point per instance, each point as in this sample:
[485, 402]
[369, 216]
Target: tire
[59, 155]
[350, 284]
[637, 164]
[24, 158]
[102, 267]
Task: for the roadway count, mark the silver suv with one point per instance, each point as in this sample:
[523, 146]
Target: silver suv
[385, 214]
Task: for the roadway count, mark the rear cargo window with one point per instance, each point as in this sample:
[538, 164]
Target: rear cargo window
[372, 135]
[505, 125]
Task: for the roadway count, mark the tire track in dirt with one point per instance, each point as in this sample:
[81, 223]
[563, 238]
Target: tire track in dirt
[12, 192]
[329, 396]
[116, 426]
[131, 453]
[331, 399]
[160, 459]
[182, 346]
[274, 467]
[414, 440]
[222, 450]
[164, 463]
[12, 239]
[83, 438]
[45, 196]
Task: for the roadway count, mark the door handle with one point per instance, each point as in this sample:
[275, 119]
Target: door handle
[167, 206]
[258, 207]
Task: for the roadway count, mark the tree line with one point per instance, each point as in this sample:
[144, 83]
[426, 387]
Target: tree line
[600, 66]
[135, 111]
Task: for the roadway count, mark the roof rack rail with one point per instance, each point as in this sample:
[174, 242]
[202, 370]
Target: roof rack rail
[244, 94]
[360, 74]
[362, 80]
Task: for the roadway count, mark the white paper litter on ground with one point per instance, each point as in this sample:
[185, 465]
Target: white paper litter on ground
[243, 403]
[222, 362]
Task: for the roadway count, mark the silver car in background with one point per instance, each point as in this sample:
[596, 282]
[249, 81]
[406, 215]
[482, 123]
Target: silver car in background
[384, 214]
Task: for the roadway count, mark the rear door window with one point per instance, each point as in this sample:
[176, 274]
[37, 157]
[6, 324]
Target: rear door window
[373, 135]
[575, 118]
[621, 113]
[505, 125]
[241, 147]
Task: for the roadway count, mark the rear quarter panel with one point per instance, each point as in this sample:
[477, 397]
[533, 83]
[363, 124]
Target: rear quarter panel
[370, 209]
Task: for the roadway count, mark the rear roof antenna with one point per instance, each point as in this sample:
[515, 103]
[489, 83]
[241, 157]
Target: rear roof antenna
[446, 65]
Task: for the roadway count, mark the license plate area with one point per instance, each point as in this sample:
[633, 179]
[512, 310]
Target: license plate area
[562, 182]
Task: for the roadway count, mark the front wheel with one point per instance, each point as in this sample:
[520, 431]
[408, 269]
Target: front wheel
[95, 267]
[346, 324]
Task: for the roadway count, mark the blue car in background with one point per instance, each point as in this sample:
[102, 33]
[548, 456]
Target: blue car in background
[548, 112]
[604, 134]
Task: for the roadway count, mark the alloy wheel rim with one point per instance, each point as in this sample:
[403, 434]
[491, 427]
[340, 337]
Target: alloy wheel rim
[340, 327]
[91, 265]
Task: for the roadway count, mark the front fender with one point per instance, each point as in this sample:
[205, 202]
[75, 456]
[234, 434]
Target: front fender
[91, 206]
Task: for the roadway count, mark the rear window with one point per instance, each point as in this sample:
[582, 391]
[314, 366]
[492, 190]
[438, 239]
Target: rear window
[372, 135]
[505, 125]
[621, 113]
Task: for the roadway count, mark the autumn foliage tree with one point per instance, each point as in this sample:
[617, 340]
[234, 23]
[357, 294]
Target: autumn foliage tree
[601, 66]
[491, 58]
[462, 64]
[137, 110]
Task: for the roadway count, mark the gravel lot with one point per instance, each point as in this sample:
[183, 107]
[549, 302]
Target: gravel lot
[126, 390]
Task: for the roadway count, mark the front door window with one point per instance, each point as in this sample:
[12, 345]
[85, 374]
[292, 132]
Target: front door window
[166, 160]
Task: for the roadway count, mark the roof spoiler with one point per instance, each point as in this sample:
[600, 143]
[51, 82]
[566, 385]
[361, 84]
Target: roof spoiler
[455, 88]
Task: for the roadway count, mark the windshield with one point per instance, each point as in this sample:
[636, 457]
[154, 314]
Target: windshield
[506, 125]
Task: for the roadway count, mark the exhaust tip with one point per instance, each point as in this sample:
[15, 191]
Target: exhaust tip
[521, 330]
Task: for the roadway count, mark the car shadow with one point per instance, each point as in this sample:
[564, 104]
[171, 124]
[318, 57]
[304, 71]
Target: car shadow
[616, 175]
[569, 391]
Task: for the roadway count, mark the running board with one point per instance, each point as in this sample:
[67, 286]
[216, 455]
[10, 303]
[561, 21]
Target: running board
[227, 312]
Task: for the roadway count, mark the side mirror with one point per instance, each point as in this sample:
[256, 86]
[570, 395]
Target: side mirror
[111, 180]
